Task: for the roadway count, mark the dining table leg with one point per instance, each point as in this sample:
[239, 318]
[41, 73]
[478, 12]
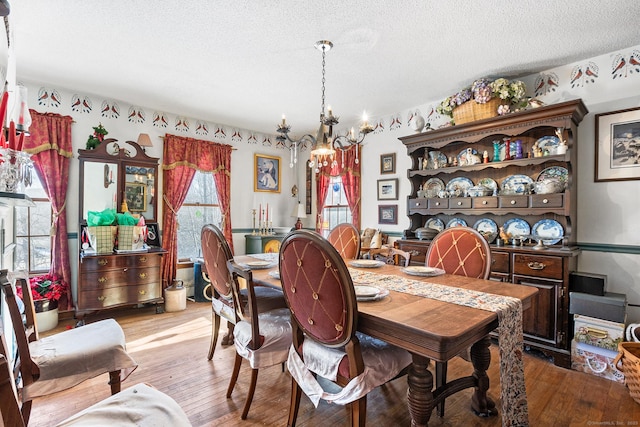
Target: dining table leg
[420, 392]
[482, 404]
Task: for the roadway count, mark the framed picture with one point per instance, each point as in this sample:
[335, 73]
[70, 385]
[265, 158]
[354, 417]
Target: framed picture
[266, 173]
[387, 214]
[387, 163]
[136, 196]
[388, 189]
[618, 145]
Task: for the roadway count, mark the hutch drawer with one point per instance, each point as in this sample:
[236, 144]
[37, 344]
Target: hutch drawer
[484, 202]
[513, 201]
[499, 262]
[460, 203]
[547, 200]
[438, 203]
[537, 265]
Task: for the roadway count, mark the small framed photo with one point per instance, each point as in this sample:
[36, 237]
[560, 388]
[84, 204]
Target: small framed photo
[136, 196]
[266, 173]
[618, 145]
[387, 214]
[387, 163]
[388, 189]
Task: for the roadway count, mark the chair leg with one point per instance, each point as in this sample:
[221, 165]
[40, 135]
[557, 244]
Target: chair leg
[215, 327]
[441, 379]
[296, 392]
[26, 411]
[359, 412]
[114, 381]
[252, 389]
[228, 339]
[234, 374]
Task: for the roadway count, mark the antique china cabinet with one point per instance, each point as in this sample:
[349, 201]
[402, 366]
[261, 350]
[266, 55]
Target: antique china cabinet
[110, 174]
[455, 159]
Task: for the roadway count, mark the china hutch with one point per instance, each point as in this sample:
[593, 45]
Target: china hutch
[111, 174]
[476, 153]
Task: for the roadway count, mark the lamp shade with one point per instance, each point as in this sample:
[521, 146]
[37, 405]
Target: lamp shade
[144, 140]
[299, 211]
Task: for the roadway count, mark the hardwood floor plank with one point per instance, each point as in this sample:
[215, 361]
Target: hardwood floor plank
[171, 349]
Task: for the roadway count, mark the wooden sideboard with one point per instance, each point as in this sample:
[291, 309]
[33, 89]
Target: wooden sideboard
[112, 280]
[547, 323]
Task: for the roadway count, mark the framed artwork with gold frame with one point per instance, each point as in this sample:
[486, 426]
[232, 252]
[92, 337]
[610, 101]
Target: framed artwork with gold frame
[266, 173]
[136, 196]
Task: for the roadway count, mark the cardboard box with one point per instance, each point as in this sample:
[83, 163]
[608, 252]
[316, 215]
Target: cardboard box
[595, 361]
[131, 237]
[587, 283]
[101, 238]
[598, 332]
[611, 306]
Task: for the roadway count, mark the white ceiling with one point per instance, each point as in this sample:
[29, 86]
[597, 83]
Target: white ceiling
[244, 63]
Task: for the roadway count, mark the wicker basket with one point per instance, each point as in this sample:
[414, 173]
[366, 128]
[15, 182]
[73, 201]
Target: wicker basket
[628, 361]
[471, 111]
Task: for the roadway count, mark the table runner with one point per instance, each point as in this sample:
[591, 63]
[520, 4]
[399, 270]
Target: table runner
[509, 311]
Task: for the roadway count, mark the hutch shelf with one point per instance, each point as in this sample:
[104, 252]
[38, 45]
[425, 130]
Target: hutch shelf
[547, 324]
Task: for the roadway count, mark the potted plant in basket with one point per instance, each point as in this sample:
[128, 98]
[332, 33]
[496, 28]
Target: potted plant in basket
[484, 99]
[46, 290]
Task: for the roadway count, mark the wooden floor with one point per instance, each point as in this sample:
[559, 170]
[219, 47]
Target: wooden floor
[171, 349]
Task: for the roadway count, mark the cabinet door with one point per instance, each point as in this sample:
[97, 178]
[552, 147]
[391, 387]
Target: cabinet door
[540, 320]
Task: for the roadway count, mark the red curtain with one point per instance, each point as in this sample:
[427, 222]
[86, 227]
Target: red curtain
[349, 171]
[50, 147]
[182, 157]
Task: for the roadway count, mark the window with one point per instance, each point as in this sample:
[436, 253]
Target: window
[32, 227]
[336, 208]
[200, 207]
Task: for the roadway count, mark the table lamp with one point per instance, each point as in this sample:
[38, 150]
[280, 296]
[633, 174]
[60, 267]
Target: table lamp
[299, 212]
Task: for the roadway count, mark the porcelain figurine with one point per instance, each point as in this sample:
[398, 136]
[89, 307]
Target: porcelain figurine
[471, 158]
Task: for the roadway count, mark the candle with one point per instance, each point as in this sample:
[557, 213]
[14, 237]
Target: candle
[352, 133]
[365, 119]
[260, 213]
[284, 121]
[329, 110]
[267, 218]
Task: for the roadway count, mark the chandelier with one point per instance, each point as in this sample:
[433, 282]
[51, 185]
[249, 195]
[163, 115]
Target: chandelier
[324, 144]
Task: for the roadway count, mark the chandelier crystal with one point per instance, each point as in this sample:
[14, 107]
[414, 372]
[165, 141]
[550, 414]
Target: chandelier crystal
[323, 144]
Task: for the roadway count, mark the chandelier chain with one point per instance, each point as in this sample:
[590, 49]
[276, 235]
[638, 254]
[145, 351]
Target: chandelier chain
[323, 80]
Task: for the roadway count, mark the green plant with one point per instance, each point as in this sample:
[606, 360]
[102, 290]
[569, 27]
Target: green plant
[98, 136]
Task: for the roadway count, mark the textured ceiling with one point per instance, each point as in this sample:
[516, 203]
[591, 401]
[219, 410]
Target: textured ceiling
[245, 63]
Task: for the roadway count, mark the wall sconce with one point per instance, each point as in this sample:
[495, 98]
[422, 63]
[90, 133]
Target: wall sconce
[144, 141]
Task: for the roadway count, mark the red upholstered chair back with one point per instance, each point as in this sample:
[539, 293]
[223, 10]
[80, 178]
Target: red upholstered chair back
[216, 253]
[346, 239]
[461, 251]
[318, 288]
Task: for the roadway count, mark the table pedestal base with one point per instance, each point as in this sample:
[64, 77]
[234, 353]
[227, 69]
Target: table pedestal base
[422, 399]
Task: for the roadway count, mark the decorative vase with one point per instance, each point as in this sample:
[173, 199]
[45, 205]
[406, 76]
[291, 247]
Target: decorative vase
[46, 314]
[418, 123]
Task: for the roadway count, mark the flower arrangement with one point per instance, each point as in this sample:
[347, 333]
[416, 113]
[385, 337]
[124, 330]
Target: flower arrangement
[482, 91]
[47, 286]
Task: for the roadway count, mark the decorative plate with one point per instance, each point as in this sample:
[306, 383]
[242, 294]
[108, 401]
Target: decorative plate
[440, 158]
[548, 143]
[258, 265]
[434, 223]
[516, 227]
[424, 271]
[548, 228]
[489, 183]
[275, 274]
[460, 183]
[456, 222]
[554, 172]
[435, 184]
[378, 296]
[366, 263]
[464, 158]
[488, 228]
[516, 184]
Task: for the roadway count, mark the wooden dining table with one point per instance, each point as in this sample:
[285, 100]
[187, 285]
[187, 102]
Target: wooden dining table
[431, 329]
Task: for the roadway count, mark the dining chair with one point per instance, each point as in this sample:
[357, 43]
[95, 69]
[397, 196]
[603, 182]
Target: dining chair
[464, 252]
[62, 360]
[261, 337]
[216, 252]
[140, 405]
[346, 239]
[324, 313]
[391, 256]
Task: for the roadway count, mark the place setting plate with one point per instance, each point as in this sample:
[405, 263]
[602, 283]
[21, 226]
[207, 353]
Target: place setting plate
[366, 263]
[258, 265]
[369, 293]
[423, 271]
